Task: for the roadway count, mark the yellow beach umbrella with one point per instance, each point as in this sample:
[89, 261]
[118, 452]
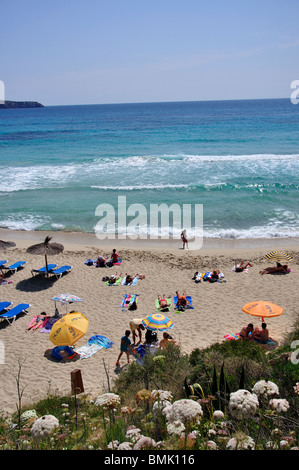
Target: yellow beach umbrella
[69, 329]
[263, 309]
[278, 256]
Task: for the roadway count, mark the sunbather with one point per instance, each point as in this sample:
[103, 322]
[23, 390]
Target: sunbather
[262, 335]
[112, 279]
[167, 339]
[240, 267]
[100, 262]
[246, 332]
[275, 269]
[163, 303]
[129, 279]
[181, 299]
[114, 256]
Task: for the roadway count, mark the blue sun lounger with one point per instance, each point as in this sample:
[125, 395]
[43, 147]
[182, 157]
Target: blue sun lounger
[13, 267]
[4, 306]
[2, 262]
[44, 269]
[12, 314]
[60, 271]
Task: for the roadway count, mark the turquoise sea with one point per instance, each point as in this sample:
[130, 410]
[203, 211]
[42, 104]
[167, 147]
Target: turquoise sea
[239, 159]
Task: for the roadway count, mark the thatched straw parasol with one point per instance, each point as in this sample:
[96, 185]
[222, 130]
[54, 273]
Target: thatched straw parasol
[4, 245]
[46, 248]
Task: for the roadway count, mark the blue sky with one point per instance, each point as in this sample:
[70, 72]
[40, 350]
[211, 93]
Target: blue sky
[115, 51]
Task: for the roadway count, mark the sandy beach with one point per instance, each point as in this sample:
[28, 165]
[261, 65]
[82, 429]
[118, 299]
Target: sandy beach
[167, 268]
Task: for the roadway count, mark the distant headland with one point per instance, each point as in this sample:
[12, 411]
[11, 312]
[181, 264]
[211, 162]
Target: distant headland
[20, 104]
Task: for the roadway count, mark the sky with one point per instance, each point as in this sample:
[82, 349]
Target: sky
[71, 52]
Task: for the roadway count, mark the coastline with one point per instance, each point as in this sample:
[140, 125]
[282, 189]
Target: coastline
[167, 268]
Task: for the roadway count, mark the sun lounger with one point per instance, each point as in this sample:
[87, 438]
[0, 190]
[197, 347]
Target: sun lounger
[43, 270]
[4, 306]
[2, 262]
[12, 314]
[13, 267]
[60, 271]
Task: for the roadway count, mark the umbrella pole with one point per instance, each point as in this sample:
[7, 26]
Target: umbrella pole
[47, 265]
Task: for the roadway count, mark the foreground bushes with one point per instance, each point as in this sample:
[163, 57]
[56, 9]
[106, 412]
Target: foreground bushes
[233, 395]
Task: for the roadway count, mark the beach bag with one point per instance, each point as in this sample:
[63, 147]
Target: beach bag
[181, 308]
[109, 263]
[133, 305]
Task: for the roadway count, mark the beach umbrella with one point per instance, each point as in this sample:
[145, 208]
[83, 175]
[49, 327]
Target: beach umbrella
[157, 321]
[4, 245]
[278, 256]
[46, 248]
[66, 299]
[69, 329]
[263, 309]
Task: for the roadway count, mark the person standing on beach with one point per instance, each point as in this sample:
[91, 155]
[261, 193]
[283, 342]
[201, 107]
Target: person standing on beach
[125, 346]
[136, 325]
[184, 239]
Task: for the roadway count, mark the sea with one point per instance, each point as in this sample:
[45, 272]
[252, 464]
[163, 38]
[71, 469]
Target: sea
[62, 166]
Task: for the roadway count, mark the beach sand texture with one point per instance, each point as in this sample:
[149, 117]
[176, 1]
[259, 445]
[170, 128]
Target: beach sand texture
[217, 307]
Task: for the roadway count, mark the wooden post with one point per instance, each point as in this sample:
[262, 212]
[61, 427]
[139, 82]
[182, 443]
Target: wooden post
[77, 382]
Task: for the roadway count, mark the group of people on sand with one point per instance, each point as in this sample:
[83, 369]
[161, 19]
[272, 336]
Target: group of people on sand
[136, 328]
[101, 261]
[251, 333]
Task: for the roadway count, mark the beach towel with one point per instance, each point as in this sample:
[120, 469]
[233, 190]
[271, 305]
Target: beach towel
[232, 337]
[116, 283]
[188, 304]
[94, 344]
[165, 309]
[39, 321]
[133, 283]
[127, 300]
[48, 324]
[208, 277]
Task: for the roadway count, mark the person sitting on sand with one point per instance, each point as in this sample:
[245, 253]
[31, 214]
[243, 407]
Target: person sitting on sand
[163, 304]
[240, 267]
[275, 269]
[215, 274]
[182, 301]
[136, 325]
[167, 339]
[100, 262]
[114, 256]
[246, 332]
[262, 335]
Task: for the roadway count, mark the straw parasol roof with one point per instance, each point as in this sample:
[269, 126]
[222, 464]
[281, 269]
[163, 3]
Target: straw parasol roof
[4, 245]
[46, 248]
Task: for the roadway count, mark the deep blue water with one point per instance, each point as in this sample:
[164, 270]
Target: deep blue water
[239, 159]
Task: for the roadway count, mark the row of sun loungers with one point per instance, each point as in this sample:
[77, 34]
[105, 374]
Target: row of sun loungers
[11, 314]
[53, 270]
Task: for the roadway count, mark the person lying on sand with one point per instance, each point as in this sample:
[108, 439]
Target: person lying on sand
[181, 299]
[240, 267]
[276, 269]
[163, 302]
[112, 279]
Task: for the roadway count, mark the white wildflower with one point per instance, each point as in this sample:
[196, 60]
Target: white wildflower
[161, 395]
[113, 445]
[44, 426]
[160, 405]
[133, 434]
[176, 428]
[144, 443]
[125, 446]
[108, 400]
[211, 445]
[218, 414]
[243, 403]
[183, 410]
[296, 388]
[283, 443]
[280, 405]
[241, 442]
[29, 414]
[265, 388]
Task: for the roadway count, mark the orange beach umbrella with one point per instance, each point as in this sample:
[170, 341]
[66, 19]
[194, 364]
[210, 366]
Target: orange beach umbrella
[263, 309]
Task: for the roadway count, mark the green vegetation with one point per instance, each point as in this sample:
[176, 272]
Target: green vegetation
[134, 415]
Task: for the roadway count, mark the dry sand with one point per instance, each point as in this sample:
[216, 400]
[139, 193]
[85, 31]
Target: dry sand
[217, 307]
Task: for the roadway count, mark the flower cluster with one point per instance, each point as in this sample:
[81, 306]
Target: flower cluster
[265, 388]
[108, 400]
[161, 395]
[43, 426]
[135, 441]
[243, 404]
[29, 414]
[296, 388]
[280, 405]
[184, 410]
[240, 442]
